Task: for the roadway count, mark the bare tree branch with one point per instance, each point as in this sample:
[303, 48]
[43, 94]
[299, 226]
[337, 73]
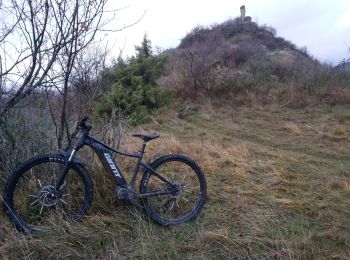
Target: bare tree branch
[36, 38]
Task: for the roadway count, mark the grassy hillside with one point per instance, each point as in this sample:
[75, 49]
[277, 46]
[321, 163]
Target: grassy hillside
[278, 187]
[236, 58]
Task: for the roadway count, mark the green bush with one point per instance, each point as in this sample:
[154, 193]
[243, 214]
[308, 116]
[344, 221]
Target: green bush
[134, 90]
[138, 103]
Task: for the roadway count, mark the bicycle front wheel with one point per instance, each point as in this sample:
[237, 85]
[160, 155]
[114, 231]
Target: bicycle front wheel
[182, 203]
[32, 201]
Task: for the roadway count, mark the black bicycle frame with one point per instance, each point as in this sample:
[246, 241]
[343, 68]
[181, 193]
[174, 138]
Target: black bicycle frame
[104, 153]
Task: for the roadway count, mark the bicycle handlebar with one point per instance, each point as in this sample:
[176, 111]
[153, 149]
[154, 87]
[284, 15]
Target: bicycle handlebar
[82, 121]
[82, 124]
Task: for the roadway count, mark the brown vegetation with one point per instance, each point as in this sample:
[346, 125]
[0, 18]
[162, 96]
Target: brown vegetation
[278, 183]
[239, 59]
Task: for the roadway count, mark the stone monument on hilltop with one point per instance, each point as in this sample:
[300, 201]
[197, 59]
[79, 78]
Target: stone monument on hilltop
[243, 17]
[242, 13]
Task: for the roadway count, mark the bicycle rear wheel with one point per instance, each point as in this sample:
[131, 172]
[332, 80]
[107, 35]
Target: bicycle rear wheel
[183, 203]
[32, 202]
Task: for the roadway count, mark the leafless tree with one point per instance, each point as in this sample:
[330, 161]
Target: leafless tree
[199, 63]
[39, 42]
[75, 89]
[87, 81]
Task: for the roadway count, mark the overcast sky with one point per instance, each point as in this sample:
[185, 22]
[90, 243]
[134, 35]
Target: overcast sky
[323, 26]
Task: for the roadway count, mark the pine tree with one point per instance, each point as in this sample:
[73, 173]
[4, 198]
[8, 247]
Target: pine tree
[134, 89]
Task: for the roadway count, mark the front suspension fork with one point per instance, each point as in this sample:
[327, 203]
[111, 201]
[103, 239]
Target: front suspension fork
[64, 169]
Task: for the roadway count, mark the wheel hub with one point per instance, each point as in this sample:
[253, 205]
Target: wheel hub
[177, 190]
[48, 196]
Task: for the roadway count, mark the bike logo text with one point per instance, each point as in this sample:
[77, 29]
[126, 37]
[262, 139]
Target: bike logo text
[112, 165]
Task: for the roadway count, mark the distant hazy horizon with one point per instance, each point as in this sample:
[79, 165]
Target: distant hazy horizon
[322, 27]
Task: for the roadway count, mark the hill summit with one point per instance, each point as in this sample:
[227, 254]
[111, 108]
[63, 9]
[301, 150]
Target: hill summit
[234, 57]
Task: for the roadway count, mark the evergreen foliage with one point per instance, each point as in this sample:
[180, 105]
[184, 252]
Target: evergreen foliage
[134, 88]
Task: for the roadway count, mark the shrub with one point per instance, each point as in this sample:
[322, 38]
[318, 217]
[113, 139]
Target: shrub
[134, 89]
[199, 33]
[234, 27]
[137, 103]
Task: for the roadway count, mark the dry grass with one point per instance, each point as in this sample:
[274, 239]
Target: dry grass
[292, 127]
[278, 188]
[296, 97]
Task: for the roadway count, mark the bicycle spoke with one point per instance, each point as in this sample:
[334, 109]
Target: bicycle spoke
[172, 205]
[35, 201]
[41, 210]
[39, 182]
[184, 199]
[166, 203]
[64, 184]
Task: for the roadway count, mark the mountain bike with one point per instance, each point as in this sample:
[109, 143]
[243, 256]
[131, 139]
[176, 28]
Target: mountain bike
[172, 189]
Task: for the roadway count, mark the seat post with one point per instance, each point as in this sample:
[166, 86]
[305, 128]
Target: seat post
[142, 151]
[137, 167]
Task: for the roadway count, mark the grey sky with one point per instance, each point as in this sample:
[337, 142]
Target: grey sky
[322, 26]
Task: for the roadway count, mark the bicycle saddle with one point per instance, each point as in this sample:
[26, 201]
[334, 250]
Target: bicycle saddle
[146, 137]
